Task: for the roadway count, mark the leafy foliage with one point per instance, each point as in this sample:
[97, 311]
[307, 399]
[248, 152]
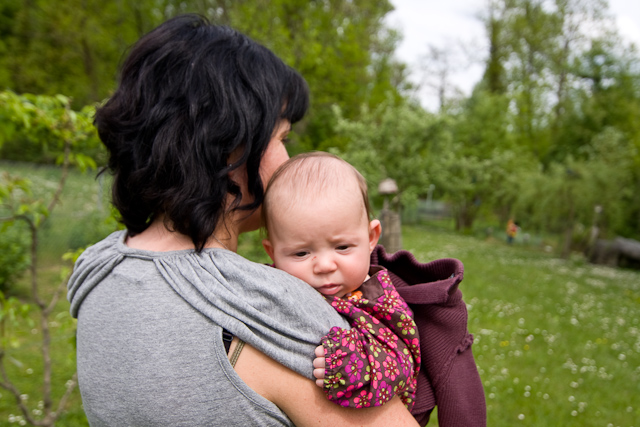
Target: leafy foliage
[74, 47]
[47, 123]
[14, 258]
[560, 96]
[50, 119]
[390, 142]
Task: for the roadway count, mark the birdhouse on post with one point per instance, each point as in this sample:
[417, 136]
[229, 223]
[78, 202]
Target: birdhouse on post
[391, 237]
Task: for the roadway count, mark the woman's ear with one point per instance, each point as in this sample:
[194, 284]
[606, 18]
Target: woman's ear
[268, 247]
[374, 233]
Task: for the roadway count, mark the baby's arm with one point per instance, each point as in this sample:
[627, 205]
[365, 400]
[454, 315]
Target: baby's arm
[373, 361]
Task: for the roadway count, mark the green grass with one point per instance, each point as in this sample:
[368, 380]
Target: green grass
[76, 222]
[557, 342]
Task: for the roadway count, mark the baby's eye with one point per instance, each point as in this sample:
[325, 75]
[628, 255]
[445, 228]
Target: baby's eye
[342, 247]
[300, 254]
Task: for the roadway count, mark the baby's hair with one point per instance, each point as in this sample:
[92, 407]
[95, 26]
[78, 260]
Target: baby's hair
[313, 173]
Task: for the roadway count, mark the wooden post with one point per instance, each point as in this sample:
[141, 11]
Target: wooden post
[391, 237]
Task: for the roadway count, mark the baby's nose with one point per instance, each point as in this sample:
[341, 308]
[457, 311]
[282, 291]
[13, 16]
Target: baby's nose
[324, 264]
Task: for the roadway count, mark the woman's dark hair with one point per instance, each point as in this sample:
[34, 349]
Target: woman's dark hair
[191, 93]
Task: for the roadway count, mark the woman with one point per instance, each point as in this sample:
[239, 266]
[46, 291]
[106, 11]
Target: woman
[194, 131]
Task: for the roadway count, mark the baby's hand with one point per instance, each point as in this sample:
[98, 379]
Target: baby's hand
[318, 364]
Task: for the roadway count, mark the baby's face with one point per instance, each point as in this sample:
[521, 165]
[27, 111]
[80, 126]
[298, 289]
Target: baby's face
[326, 245]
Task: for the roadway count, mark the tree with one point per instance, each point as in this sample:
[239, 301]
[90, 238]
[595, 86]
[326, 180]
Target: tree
[437, 67]
[70, 47]
[563, 197]
[50, 118]
[557, 79]
[390, 142]
[74, 47]
[534, 45]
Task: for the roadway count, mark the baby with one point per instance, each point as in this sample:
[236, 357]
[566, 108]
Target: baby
[317, 218]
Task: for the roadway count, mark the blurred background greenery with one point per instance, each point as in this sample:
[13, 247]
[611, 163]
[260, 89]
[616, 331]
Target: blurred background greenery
[550, 132]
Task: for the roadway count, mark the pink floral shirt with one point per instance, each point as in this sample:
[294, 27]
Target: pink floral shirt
[379, 357]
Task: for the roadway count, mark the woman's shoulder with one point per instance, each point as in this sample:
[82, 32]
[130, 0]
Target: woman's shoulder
[261, 305]
[260, 281]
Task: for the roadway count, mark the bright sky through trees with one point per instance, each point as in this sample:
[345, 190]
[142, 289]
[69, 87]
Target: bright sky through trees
[456, 22]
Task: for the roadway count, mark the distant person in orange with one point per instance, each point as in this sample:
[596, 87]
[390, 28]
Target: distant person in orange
[512, 230]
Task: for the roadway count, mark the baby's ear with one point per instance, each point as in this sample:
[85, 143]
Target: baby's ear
[374, 233]
[268, 247]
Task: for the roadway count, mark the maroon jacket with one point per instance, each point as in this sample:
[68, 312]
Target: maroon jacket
[448, 374]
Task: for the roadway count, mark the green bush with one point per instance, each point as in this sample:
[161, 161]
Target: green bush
[93, 228]
[14, 254]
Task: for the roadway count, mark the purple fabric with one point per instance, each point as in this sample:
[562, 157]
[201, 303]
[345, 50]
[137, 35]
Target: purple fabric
[448, 374]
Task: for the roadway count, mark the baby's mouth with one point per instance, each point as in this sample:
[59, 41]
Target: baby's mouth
[329, 289]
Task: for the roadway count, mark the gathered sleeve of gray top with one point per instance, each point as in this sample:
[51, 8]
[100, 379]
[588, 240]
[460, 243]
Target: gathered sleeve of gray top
[279, 315]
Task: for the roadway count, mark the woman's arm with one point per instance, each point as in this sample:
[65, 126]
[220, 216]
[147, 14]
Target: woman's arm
[304, 402]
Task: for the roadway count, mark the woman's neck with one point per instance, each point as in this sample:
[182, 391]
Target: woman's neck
[158, 238]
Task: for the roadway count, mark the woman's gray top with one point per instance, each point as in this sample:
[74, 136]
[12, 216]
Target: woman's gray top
[149, 340]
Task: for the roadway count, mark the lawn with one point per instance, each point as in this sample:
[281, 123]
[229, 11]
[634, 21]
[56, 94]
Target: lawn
[557, 342]
[77, 221]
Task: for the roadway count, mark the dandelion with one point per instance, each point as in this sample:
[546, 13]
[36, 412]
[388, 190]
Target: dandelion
[622, 356]
[572, 399]
[521, 417]
[574, 413]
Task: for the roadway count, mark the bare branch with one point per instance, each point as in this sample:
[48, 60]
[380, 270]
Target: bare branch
[9, 386]
[65, 172]
[71, 385]
[33, 229]
[56, 295]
